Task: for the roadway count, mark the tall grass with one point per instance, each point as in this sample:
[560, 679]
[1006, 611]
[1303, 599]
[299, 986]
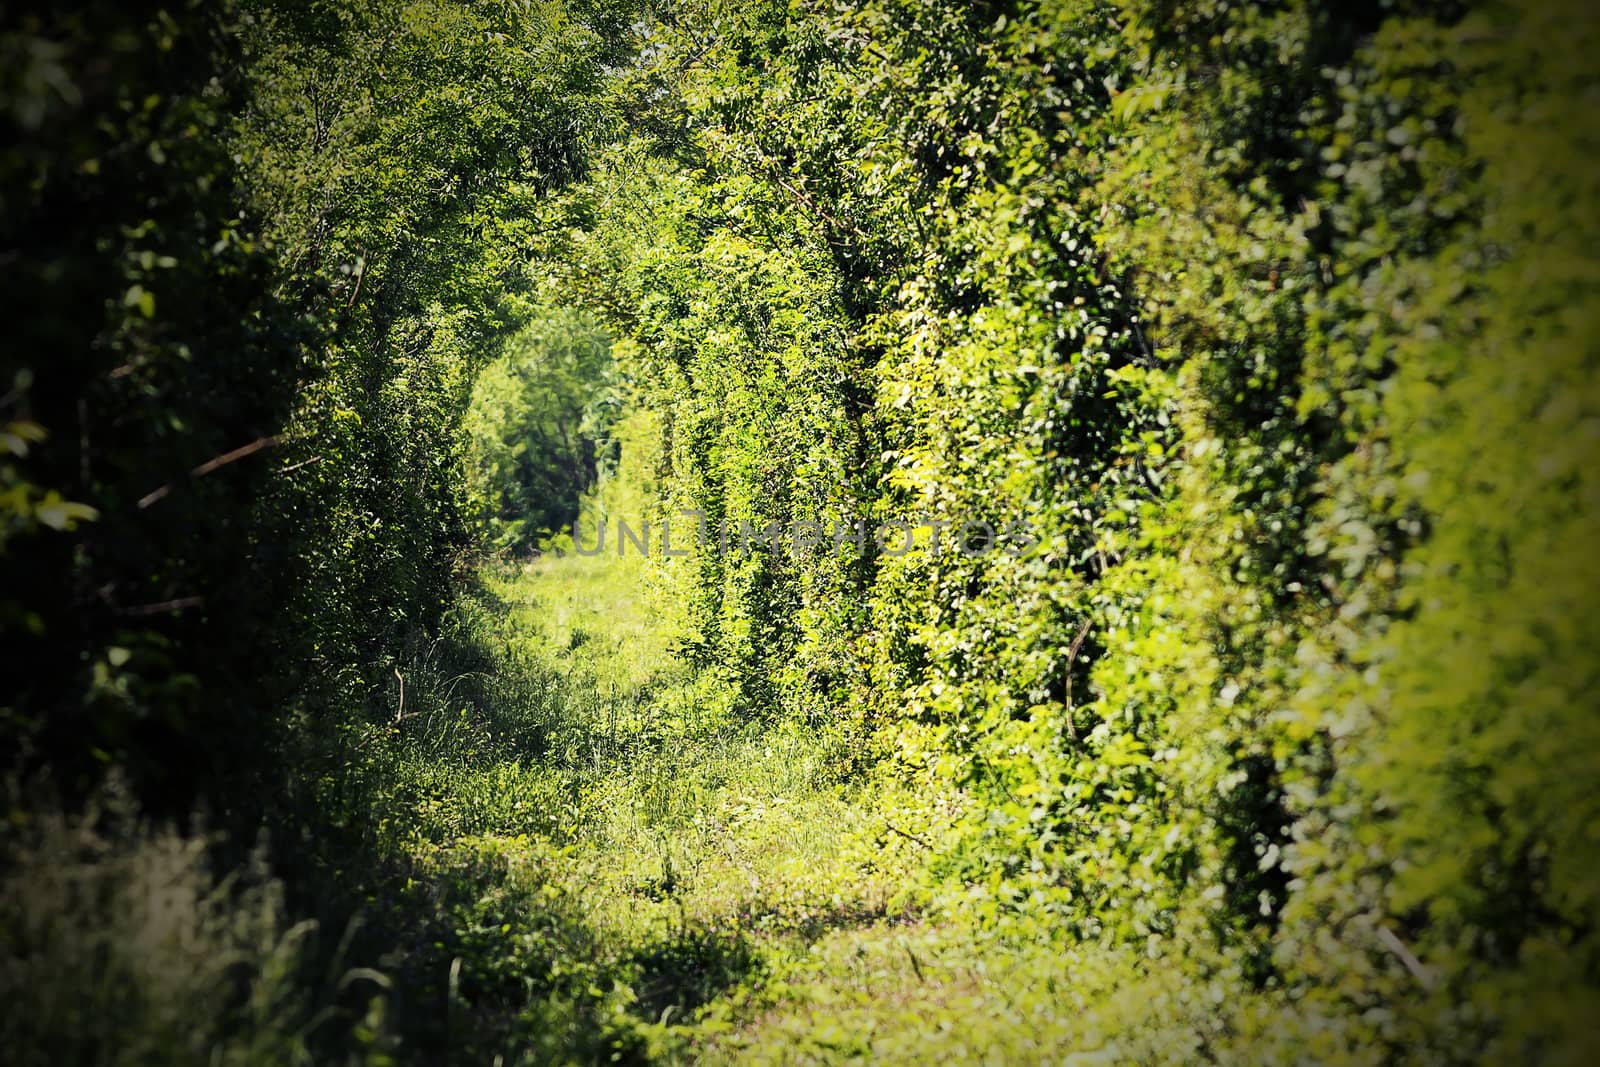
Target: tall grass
[118, 945]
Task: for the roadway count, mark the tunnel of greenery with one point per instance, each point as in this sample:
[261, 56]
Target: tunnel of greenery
[1257, 343]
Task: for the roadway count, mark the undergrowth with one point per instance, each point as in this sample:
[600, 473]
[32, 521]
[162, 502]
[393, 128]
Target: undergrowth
[606, 856]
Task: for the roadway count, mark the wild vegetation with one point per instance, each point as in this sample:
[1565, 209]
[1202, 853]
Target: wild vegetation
[1260, 339]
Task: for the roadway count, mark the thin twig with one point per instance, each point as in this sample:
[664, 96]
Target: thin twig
[913, 838]
[361, 276]
[165, 607]
[1072, 656]
[1409, 961]
[213, 464]
[815, 208]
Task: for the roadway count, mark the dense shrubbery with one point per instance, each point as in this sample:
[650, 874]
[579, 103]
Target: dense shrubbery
[264, 251]
[1257, 314]
[1275, 323]
[256, 254]
[216, 258]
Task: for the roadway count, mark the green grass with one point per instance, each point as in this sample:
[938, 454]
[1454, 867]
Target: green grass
[568, 845]
[605, 858]
[593, 855]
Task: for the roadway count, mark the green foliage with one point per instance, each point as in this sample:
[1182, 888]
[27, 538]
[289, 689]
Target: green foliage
[259, 252]
[539, 429]
[149, 365]
[593, 854]
[264, 249]
[1274, 323]
[396, 150]
[1253, 313]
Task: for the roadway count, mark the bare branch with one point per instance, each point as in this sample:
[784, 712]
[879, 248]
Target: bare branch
[1405, 956]
[213, 464]
[165, 607]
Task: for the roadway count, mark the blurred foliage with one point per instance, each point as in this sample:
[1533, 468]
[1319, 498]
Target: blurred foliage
[260, 252]
[120, 946]
[147, 343]
[256, 255]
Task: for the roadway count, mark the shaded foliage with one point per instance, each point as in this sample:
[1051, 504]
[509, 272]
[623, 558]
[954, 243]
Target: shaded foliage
[539, 429]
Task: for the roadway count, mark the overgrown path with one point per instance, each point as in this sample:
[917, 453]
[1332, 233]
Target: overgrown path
[611, 859]
[633, 869]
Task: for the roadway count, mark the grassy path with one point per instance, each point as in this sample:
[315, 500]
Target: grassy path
[598, 859]
[612, 862]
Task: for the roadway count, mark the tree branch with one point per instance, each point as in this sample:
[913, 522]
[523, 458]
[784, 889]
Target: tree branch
[214, 464]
